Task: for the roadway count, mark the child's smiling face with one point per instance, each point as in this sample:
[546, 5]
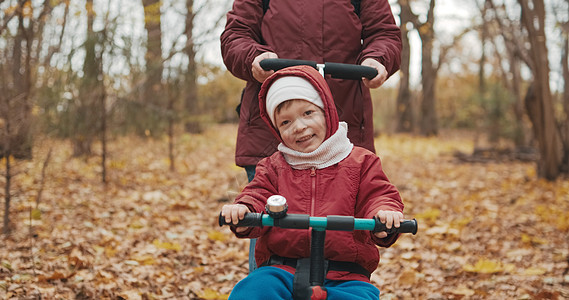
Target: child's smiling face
[301, 124]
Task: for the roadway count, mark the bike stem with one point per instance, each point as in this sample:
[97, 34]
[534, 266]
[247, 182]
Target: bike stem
[320, 68]
[317, 265]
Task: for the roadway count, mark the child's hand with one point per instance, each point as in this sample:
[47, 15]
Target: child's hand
[390, 219]
[233, 213]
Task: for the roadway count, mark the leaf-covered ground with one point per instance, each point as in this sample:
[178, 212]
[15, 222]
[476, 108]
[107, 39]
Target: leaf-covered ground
[486, 231]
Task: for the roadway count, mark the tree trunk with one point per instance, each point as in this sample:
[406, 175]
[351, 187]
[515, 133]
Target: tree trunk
[479, 122]
[510, 35]
[191, 125]
[404, 112]
[88, 109]
[565, 136]
[520, 139]
[152, 118]
[8, 178]
[540, 107]
[429, 120]
[18, 104]
[102, 107]
[172, 96]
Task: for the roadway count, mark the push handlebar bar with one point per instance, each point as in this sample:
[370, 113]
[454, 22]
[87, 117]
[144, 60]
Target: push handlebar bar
[341, 223]
[336, 70]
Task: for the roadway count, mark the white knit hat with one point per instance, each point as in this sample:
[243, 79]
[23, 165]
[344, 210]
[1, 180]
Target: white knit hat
[288, 88]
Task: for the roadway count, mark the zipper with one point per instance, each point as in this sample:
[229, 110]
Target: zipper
[312, 202]
[313, 191]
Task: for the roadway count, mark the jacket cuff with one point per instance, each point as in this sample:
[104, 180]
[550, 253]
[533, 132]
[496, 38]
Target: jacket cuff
[386, 241]
[243, 234]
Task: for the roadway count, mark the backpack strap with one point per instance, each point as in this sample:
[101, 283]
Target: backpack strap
[356, 4]
[265, 6]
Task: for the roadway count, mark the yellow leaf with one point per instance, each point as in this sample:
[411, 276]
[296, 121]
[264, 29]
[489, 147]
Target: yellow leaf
[484, 266]
[408, 277]
[213, 295]
[429, 215]
[136, 225]
[236, 167]
[216, 236]
[7, 265]
[528, 239]
[145, 260]
[35, 110]
[562, 221]
[166, 245]
[464, 291]
[110, 251]
[530, 172]
[534, 271]
[461, 223]
[36, 214]
[117, 165]
[98, 249]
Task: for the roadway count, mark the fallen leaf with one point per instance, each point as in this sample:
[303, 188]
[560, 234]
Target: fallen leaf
[145, 259]
[534, 271]
[408, 277]
[463, 291]
[167, 245]
[485, 266]
[215, 235]
[210, 294]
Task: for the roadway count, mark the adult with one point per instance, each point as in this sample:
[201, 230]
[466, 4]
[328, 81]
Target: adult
[353, 32]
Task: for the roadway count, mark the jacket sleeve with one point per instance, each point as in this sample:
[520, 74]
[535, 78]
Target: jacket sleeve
[381, 36]
[241, 41]
[256, 193]
[376, 193]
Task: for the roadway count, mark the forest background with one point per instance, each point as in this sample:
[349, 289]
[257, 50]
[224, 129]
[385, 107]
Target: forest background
[117, 132]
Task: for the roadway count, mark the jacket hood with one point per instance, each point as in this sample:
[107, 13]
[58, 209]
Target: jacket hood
[320, 85]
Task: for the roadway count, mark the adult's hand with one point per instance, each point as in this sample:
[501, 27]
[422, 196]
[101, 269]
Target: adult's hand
[258, 72]
[381, 77]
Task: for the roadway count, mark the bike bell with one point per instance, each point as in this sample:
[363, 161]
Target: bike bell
[276, 206]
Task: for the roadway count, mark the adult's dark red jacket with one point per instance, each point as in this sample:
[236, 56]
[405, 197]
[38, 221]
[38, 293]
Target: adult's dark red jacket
[317, 30]
[356, 186]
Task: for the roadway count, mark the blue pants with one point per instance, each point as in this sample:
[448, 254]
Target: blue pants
[274, 283]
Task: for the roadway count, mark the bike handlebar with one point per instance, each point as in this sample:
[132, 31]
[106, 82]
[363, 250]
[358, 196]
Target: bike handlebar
[336, 70]
[341, 223]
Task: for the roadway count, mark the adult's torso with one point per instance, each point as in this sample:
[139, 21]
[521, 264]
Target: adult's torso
[317, 30]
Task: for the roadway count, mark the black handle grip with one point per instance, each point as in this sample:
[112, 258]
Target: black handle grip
[336, 70]
[408, 226]
[250, 220]
[276, 64]
[348, 71]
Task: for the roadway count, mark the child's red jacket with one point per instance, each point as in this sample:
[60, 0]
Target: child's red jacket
[356, 186]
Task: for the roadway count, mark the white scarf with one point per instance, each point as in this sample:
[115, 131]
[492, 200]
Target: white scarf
[330, 152]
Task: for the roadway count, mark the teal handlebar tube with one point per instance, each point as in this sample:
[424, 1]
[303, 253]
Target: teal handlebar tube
[300, 221]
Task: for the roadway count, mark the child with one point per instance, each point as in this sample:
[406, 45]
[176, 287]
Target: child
[319, 171]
